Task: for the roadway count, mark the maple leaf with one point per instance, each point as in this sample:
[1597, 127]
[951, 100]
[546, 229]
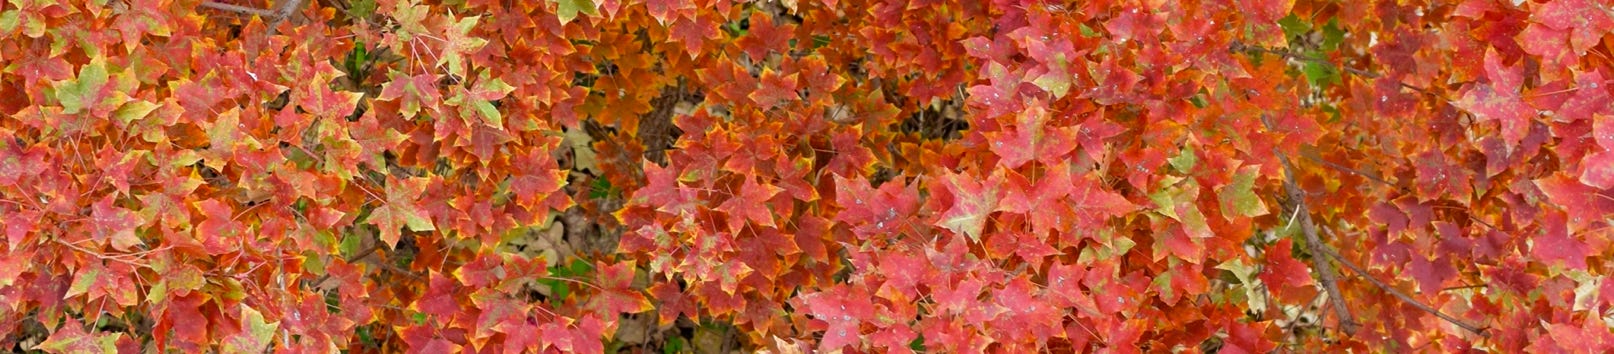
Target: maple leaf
[665, 10]
[457, 42]
[414, 91]
[19, 224]
[764, 35]
[1288, 278]
[1180, 203]
[401, 209]
[1238, 197]
[255, 335]
[1500, 99]
[728, 81]
[98, 282]
[1042, 202]
[875, 212]
[1588, 20]
[1001, 96]
[71, 338]
[1598, 169]
[1133, 24]
[1246, 338]
[94, 91]
[537, 174]
[567, 10]
[693, 32]
[617, 295]
[1065, 283]
[438, 300]
[1430, 274]
[662, 189]
[1586, 205]
[1554, 244]
[115, 223]
[144, 17]
[409, 15]
[1281, 269]
[1028, 314]
[751, 203]
[973, 201]
[775, 89]
[219, 228]
[583, 336]
[478, 100]
[844, 308]
[1032, 139]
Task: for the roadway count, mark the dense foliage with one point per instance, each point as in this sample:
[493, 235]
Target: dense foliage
[868, 175]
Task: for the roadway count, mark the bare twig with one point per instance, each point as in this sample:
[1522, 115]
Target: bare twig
[1325, 271]
[244, 10]
[1408, 299]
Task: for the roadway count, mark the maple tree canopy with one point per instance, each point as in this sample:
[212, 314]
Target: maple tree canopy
[808, 175]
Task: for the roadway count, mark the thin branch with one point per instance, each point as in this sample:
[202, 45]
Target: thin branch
[1403, 296]
[244, 10]
[1325, 271]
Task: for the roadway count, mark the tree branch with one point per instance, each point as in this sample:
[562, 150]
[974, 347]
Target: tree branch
[1404, 298]
[1325, 271]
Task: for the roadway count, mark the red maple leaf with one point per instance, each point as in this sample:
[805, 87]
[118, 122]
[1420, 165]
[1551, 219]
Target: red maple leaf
[617, 295]
[764, 35]
[775, 89]
[728, 81]
[1555, 245]
[1042, 202]
[973, 201]
[1283, 273]
[1500, 99]
[1589, 21]
[1586, 205]
[875, 212]
[115, 223]
[844, 308]
[1028, 314]
[439, 300]
[1032, 139]
[664, 10]
[693, 32]
[750, 203]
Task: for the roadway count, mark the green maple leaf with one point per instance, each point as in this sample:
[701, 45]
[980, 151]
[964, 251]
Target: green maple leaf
[568, 9]
[86, 90]
[1238, 197]
[255, 334]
